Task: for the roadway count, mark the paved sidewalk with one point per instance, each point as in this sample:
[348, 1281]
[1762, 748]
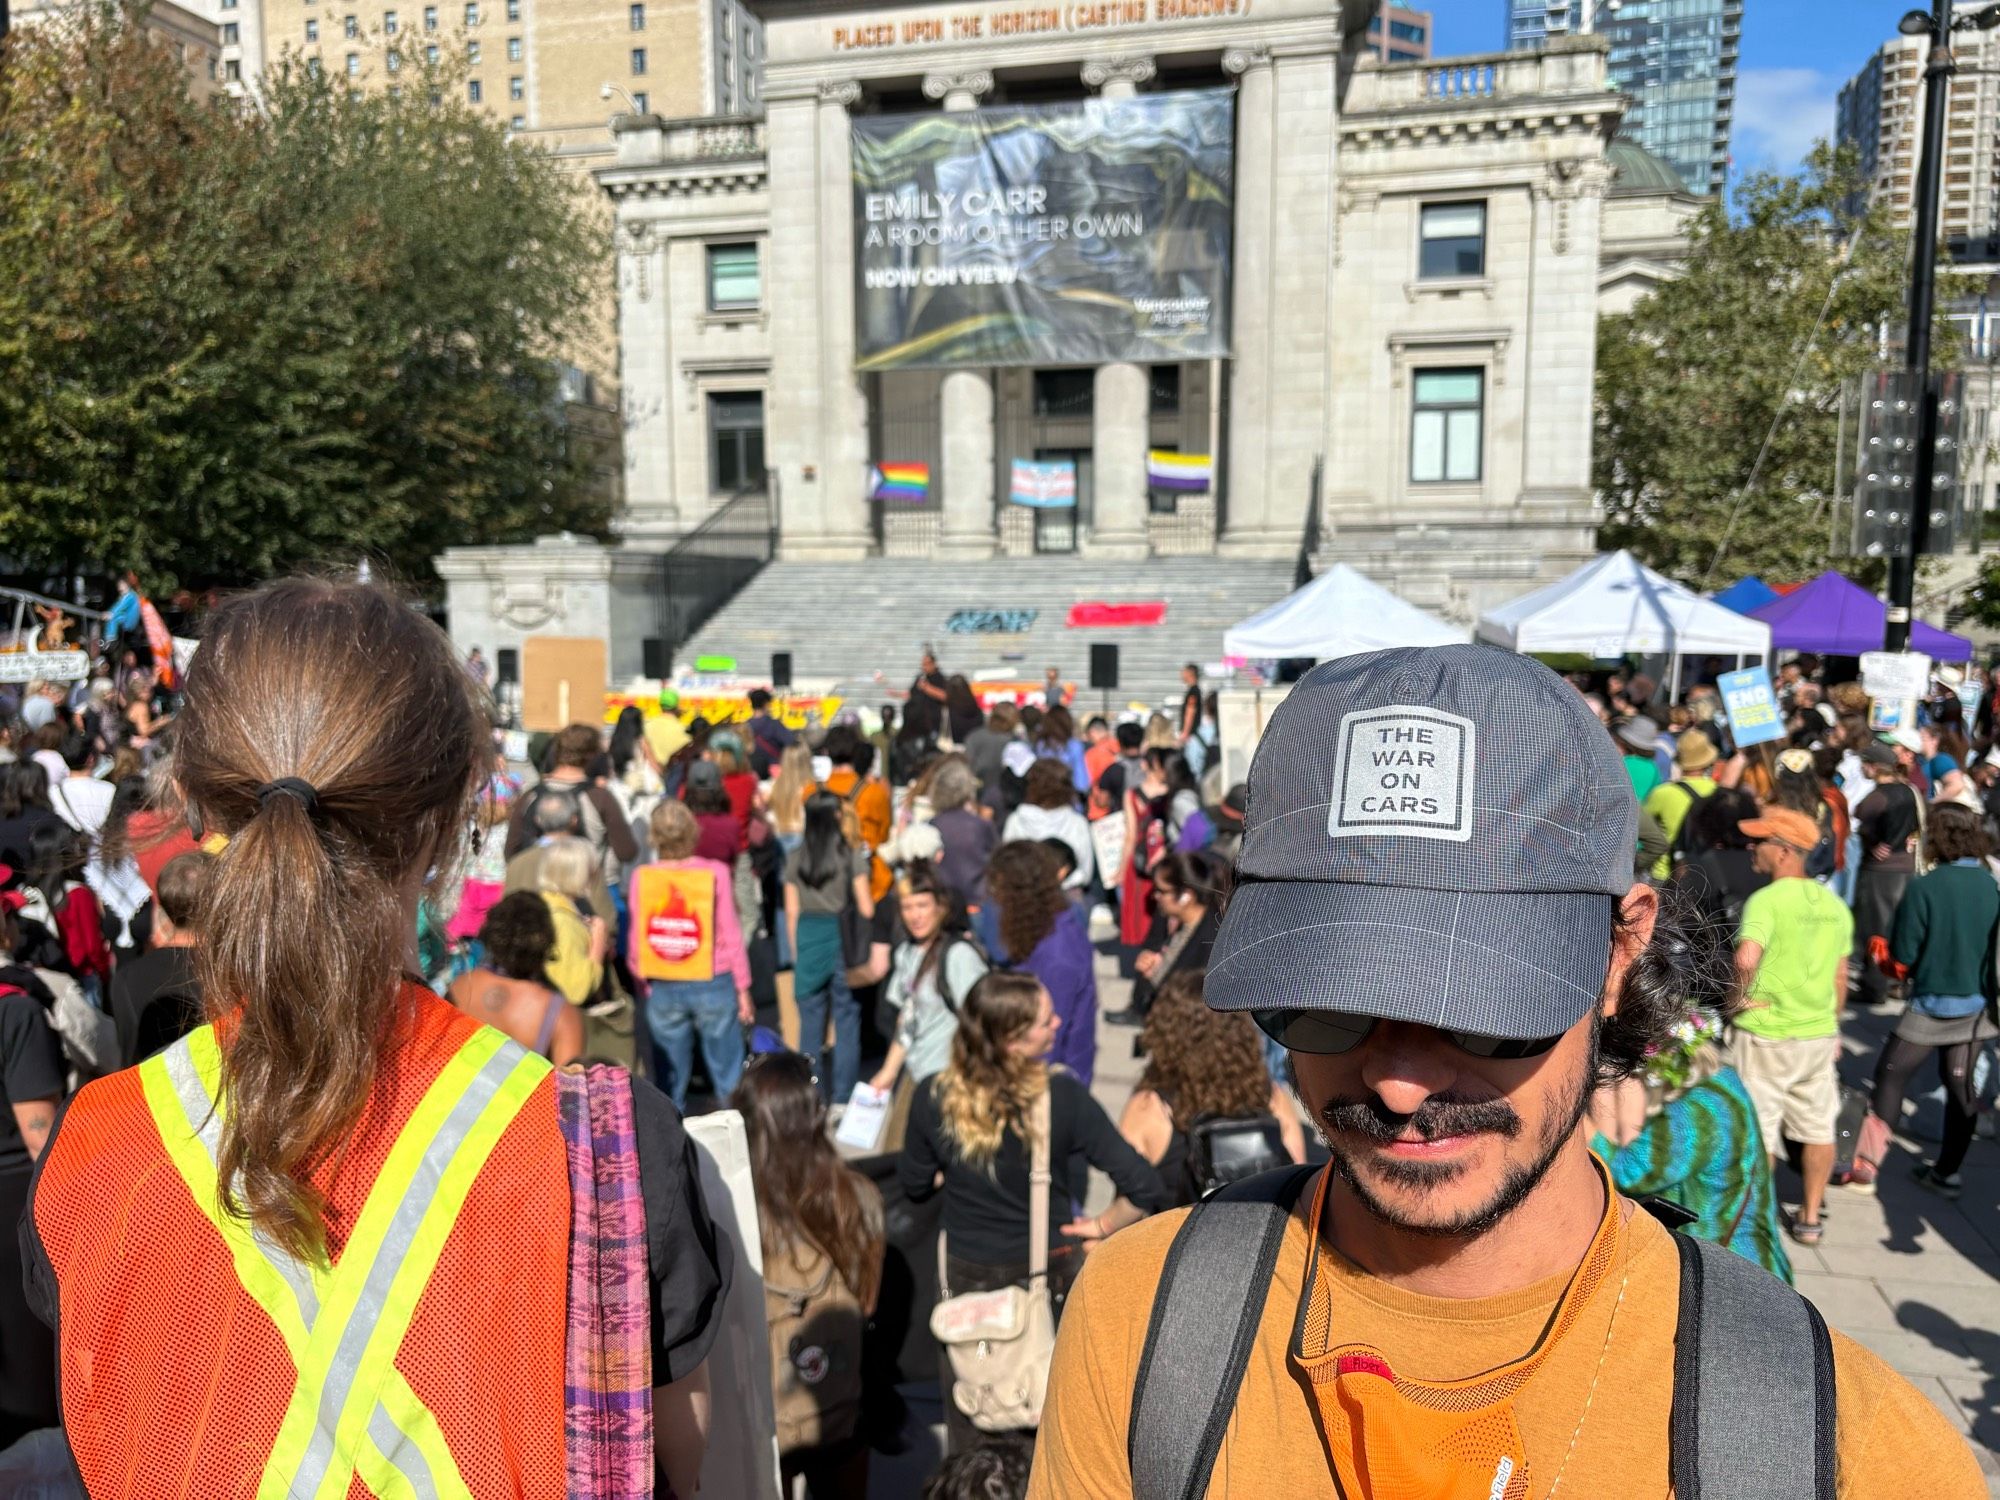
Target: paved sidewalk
[1913, 1277]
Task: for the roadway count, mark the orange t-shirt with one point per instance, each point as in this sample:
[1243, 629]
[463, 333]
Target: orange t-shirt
[876, 818]
[1893, 1442]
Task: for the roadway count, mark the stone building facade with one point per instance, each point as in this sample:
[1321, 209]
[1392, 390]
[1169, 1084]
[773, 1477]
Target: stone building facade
[1421, 254]
[1354, 355]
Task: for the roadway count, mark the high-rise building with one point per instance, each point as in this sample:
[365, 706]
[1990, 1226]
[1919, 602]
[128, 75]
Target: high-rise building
[1675, 60]
[1397, 33]
[1881, 113]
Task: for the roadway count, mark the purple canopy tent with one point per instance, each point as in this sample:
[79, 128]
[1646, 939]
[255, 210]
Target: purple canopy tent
[1835, 616]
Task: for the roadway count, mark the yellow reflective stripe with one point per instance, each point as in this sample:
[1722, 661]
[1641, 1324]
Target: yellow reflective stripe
[261, 1279]
[357, 1258]
[390, 1437]
[420, 1260]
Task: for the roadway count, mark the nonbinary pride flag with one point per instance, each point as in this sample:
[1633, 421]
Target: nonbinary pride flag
[1186, 472]
[1047, 484]
[903, 483]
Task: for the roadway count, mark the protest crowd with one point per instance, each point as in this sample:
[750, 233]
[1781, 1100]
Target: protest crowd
[1488, 1043]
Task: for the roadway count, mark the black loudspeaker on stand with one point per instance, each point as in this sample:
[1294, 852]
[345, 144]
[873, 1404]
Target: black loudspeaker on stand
[1104, 666]
[781, 669]
[653, 656]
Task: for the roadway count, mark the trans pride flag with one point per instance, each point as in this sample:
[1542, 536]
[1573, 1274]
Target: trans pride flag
[1188, 473]
[903, 483]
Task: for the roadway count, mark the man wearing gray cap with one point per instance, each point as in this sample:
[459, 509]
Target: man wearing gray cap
[1436, 917]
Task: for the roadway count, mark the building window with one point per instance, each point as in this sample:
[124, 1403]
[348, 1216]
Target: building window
[638, 62]
[231, 34]
[1166, 390]
[1446, 421]
[233, 70]
[228, 5]
[430, 18]
[1065, 393]
[472, 12]
[1453, 241]
[389, 23]
[638, 15]
[515, 89]
[312, 67]
[312, 31]
[472, 53]
[735, 441]
[519, 122]
[393, 60]
[734, 279]
[473, 92]
[642, 103]
[431, 54]
[351, 27]
[513, 49]
[513, 10]
[354, 65]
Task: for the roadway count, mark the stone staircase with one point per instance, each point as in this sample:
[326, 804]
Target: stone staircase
[853, 622]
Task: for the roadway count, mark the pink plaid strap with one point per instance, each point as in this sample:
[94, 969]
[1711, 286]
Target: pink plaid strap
[608, 1398]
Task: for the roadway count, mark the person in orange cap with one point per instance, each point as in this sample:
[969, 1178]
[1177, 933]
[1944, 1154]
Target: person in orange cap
[1791, 957]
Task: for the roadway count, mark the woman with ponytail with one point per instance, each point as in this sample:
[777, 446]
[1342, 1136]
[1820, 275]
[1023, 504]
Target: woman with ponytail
[969, 1138]
[344, 1232]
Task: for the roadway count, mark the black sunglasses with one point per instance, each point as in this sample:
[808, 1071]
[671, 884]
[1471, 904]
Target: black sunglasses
[1324, 1032]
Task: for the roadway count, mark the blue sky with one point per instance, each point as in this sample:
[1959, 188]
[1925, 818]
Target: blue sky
[1796, 55]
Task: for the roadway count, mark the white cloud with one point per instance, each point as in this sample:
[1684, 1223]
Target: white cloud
[1780, 113]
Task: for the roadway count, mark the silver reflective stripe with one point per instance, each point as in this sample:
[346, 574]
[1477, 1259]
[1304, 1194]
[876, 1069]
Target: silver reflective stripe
[404, 1456]
[345, 1368]
[205, 1120]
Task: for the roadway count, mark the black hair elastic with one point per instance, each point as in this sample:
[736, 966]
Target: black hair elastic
[289, 786]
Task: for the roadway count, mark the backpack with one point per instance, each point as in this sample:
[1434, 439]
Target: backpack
[816, 1327]
[1744, 1422]
[1222, 1149]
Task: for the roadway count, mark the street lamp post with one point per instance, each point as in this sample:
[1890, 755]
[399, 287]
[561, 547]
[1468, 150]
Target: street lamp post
[1938, 25]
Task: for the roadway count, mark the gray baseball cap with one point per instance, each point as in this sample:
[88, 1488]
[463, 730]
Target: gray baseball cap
[1434, 835]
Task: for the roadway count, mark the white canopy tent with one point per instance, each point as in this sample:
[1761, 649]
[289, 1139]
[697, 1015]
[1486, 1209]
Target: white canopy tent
[1340, 613]
[1617, 606]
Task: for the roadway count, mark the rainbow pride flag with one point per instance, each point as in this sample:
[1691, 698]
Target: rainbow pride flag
[902, 483]
[1189, 473]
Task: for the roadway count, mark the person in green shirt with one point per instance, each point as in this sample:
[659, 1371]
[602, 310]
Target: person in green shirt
[1791, 960]
[1670, 802]
[1638, 737]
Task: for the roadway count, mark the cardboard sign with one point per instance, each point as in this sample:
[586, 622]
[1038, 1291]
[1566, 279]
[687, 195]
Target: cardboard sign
[1895, 674]
[866, 1117]
[44, 666]
[742, 1456]
[563, 679]
[1751, 705]
[675, 920]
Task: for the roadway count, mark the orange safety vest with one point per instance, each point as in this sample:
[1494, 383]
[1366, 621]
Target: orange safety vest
[425, 1360]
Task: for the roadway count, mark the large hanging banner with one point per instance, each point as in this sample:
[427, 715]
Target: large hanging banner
[1077, 233]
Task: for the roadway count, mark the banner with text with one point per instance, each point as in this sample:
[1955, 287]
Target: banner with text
[1053, 234]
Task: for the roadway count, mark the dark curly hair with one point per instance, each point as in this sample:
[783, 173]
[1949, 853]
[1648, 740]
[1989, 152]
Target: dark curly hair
[997, 1469]
[1688, 966]
[519, 935]
[1025, 882]
[1049, 784]
[1202, 1061]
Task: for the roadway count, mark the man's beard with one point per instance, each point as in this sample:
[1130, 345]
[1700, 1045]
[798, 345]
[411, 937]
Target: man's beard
[1441, 1116]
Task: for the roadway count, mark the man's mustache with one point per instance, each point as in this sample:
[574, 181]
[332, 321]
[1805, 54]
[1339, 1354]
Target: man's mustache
[1437, 1117]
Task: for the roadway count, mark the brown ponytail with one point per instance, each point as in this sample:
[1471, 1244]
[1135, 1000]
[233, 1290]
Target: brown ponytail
[357, 703]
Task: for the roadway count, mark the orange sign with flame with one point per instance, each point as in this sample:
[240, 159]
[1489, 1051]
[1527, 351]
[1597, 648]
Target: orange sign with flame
[676, 918]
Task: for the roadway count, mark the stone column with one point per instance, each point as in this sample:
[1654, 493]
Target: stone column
[844, 412]
[1122, 405]
[1251, 398]
[965, 397]
[650, 513]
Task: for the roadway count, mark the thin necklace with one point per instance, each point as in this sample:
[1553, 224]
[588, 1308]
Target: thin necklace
[1597, 1375]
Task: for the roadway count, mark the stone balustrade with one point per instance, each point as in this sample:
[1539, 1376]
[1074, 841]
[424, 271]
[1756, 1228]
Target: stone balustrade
[1565, 66]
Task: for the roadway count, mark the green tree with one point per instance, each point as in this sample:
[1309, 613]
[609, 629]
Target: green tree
[1777, 307]
[235, 340]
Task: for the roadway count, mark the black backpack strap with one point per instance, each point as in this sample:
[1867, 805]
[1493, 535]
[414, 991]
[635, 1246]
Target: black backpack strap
[1746, 1421]
[1204, 1322]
